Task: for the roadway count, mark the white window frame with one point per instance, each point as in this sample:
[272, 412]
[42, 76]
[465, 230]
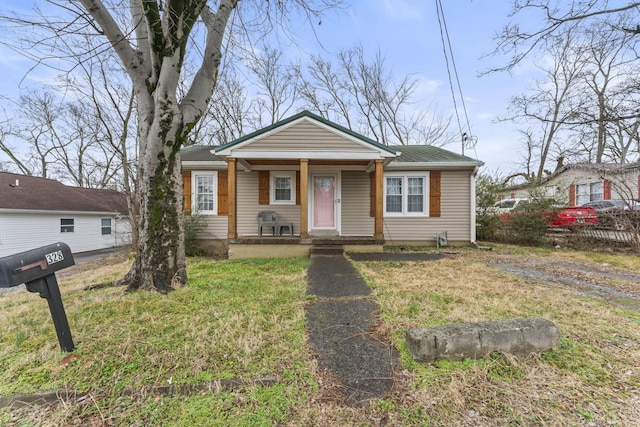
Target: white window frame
[585, 193]
[103, 227]
[194, 192]
[596, 196]
[291, 175]
[405, 187]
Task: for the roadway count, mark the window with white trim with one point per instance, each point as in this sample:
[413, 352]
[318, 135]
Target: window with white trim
[406, 194]
[105, 225]
[591, 192]
[283, 188]
[204, 189]
[67, 225]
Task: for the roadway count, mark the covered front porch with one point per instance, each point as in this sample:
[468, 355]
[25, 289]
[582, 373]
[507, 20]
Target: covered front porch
[287, 246]
[321, 207]
[317, 178]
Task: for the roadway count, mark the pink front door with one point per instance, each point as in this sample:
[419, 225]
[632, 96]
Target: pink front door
[324, 190]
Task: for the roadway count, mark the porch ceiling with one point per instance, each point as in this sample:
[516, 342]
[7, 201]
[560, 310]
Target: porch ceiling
[287, 162]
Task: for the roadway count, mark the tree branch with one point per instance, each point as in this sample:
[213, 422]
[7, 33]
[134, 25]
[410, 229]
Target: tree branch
[197, 98]
[114, 34]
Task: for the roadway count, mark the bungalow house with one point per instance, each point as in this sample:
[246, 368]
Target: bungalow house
[328, 185]
[36, 212]
[579, 183]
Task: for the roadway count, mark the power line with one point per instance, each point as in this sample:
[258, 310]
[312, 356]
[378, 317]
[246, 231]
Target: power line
[466, 137]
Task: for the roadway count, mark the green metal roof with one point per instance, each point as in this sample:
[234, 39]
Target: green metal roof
[310, 115]
[199, 153]
[428, 154]
[408, 153]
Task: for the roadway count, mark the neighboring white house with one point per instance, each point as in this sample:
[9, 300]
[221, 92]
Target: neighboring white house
[579, 183]
[36, 212]
[328, 183]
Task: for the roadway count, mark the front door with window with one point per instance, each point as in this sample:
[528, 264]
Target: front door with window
[324, 202]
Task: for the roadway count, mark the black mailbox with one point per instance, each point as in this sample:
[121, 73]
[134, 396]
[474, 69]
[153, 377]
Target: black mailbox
[36, 269]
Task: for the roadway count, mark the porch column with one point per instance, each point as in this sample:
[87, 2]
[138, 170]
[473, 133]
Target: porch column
[377, 232]
[231, 179]
[304, 198]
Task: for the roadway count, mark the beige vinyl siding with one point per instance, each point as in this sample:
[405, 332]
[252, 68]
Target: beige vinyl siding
[455, 215]
[308, 137]
[356, 220]
[216, 227]
[248, 207]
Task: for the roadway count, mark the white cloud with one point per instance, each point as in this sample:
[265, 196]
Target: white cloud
[402, 10]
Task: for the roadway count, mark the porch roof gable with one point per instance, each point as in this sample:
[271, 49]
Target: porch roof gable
[283, 140]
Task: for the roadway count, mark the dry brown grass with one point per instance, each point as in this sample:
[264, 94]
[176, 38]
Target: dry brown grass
[594, 377]
[592, 380]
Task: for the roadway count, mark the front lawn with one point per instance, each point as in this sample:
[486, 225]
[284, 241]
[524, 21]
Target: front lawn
[244, 319]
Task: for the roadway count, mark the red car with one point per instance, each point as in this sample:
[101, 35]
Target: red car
[566, 217]
[573, 216]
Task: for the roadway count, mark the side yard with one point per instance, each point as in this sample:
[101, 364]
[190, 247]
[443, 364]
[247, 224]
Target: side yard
[245, 320]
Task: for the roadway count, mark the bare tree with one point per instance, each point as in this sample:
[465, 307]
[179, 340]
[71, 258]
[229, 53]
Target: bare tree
[553, 100]
[15, 161]
[152, 40]
[607, 65]
[229, 112]
[520, 40]
[367, 97]
[277, 86]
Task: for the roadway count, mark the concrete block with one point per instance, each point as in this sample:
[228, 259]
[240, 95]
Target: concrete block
[519, 337]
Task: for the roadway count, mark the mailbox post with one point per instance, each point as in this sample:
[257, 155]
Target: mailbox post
[36, 269]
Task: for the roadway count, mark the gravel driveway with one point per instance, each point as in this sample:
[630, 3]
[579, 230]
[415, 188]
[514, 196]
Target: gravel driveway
[599, 280]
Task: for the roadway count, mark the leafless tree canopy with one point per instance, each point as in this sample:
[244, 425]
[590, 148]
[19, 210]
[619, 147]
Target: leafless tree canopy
[585, 107]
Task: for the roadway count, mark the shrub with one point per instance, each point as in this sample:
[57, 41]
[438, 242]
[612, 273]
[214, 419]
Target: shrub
[193, 226]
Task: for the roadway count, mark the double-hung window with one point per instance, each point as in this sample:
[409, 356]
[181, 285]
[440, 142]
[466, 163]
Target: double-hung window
[67, 225]
[591, 192]
[283, 188]
[405, 194]
[204, 186]
[105, 225]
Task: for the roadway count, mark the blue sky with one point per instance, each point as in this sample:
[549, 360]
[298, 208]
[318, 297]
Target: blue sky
[408, 35]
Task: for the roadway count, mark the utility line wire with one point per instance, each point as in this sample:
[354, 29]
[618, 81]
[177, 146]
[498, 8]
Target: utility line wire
[444, 34]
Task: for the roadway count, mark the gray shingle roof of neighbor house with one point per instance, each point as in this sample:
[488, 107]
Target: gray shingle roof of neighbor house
[605, 168]
[34, 193]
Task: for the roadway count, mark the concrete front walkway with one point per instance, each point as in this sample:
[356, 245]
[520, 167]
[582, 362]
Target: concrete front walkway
[340, 325]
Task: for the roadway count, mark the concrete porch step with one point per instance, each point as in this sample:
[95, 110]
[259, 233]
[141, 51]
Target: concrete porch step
[326, 250]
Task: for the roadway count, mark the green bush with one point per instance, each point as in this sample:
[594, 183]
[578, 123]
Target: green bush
[488, 226]
[193, 226]
[526, 227]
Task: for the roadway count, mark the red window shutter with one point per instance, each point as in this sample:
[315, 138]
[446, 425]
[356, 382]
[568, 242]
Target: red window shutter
[223, 193]
[372, 194]
[186, 191]
[297, 187]
[606, 187]
[572, 195]
[263, 188]
[434, 193]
